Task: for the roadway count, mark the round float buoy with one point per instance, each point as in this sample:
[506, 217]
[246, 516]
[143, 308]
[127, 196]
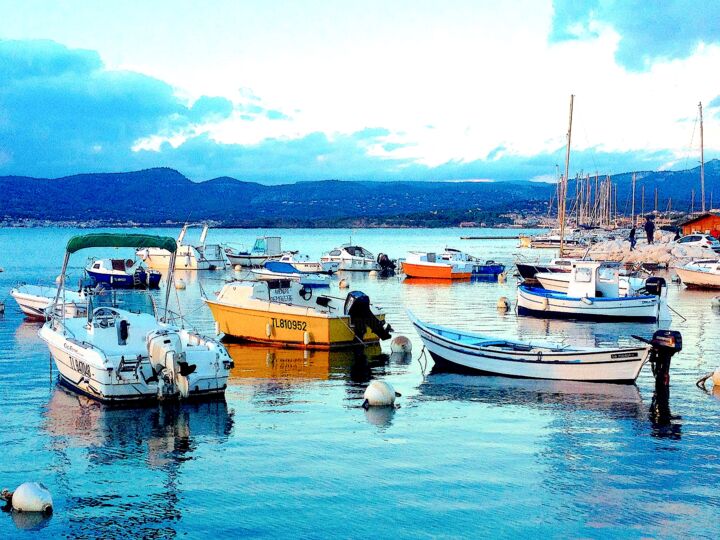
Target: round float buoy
[501, 277]
[401, 344]
[503, 304]
[715, 302]
[343, 284]
[31, 497]
[238, 268]
[379, 394]
[373, 273]
[57, 280]
[180, 284]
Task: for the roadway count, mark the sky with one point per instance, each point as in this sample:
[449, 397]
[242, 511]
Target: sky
[284, 91]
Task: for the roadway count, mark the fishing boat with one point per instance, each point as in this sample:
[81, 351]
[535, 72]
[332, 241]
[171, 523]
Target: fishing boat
[560, 281]
[186, 257]
[490, 355]
[123, 351]
[34, 300]
[305, 264]
[594, 294]
[274, 270]
[122, 274]
[450, 264]
[265, 248]
[351, 259]
[284, 312]
[700, 274]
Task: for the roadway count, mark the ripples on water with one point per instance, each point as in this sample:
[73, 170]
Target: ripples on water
[289, 453]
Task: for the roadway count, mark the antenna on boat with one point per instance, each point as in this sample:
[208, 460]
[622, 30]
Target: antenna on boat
[702, 161]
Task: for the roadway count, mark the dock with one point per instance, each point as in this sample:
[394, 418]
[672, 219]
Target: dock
[489, 237]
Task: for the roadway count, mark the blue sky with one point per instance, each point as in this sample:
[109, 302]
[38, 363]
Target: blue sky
[282, 91]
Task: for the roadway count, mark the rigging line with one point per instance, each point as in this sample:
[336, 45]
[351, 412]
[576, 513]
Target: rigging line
[692, 139]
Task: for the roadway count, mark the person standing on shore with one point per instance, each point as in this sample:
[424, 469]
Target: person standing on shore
[632, 238]
[649, 229]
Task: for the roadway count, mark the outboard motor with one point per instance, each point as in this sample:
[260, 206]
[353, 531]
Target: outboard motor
[357, 306]
[654, 285]
[387, 265]
[665, 343]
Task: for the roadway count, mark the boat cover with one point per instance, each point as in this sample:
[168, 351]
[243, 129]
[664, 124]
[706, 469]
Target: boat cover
[281, 267]
[77, 243]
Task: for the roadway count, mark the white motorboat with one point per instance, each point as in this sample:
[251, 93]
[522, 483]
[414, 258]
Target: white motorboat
[187, 257]
[351, 258]
[594, 294]
[305, 264]
[274, 270]
[122, 274]
[489, 355]
[266, 248]
[120, 352]
[700, 274]
[34, 300]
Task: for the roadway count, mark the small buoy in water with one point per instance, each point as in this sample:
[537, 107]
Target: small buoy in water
[401, 344]
[343, 284]
[373, 273]
[180, 284]
[57, 280]
[30, 497]
[503, 304]
[379, 394]
[238, 268]
[501, 277]
[715, 302]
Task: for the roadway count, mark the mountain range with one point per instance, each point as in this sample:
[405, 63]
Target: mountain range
[164, 196]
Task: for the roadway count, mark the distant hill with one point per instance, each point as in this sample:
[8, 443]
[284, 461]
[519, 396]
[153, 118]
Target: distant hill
[157, 196]
[164, 196]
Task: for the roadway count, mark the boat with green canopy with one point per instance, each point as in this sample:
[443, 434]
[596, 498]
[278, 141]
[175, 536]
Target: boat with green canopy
[121, 352]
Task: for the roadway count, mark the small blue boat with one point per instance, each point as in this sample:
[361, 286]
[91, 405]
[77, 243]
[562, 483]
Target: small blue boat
[490, 269]
[122, 274]
[281, 270]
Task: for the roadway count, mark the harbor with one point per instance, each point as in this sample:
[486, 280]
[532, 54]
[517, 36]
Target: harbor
[184, 463]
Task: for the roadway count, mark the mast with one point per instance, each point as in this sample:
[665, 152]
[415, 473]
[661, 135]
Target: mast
[563, 184]
[633, 201]
[702, 161]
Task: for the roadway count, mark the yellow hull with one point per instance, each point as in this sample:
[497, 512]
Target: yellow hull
[288, 329]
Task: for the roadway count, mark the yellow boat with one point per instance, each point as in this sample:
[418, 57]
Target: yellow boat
[286, 313]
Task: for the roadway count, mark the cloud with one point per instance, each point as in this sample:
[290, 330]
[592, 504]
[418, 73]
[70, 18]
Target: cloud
[648, 31]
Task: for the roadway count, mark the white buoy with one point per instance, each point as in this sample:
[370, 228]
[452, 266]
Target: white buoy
[400, 344]
[379, 394]
[343, 284]
[501, 277]
[180, 284]
[32, 497]
[503, 304]
[715, 302]
[372, 273]
[57, 280]
[238, 268]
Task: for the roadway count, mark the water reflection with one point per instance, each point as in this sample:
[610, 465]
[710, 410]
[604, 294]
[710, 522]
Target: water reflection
[616, 400]
[95, 444]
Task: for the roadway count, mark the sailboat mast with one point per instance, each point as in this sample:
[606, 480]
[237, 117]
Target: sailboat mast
[702, 161]
[561, 205]
[633, 201]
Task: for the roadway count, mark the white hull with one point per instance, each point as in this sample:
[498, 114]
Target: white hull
[560, 281]
[591, 365]
[698, 278]
[304, 279]
[353, 265]
[187, 259]
[34, 305]
[640, 308]
[247, 260]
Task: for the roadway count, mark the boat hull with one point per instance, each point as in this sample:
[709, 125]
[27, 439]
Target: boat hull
[695, 279]
[547, 304]
[598, 365]
[433, 271]
[34, 306]
[277, 327]
[247, 259]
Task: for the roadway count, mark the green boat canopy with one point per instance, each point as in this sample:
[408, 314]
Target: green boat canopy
[118, 240]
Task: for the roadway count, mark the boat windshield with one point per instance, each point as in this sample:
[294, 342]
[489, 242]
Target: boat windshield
[260, 245]
[128, 300]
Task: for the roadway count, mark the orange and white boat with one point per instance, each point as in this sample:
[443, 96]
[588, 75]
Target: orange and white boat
[448, 265]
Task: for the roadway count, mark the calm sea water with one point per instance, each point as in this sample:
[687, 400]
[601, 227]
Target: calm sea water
[290, 453]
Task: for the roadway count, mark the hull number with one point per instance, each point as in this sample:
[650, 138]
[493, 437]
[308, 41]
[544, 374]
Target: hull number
[80, 367]
[289, 324]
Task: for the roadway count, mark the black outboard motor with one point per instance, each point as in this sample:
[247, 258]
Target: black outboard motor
[357, 306]
[665, 343]
[654, 285]
[387, 266]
